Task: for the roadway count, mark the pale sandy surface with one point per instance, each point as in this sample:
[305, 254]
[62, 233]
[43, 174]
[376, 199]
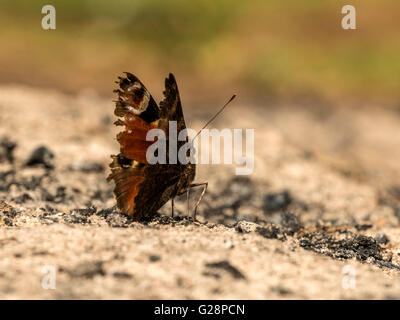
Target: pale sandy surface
[339, 169]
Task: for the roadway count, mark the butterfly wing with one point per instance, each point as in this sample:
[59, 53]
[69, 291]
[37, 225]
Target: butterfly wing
[141, 188]
[139, 113]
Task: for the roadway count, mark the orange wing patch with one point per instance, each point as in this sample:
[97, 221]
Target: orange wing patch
[127, 181]
[133, 140]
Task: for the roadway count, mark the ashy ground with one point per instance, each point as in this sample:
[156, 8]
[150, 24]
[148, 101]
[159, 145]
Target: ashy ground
[318, 218]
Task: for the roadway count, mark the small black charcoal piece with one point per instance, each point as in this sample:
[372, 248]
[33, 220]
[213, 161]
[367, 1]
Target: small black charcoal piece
[363, 227]
[87, 167]
[7, 150]
[41, 156]
[381, 238]
[225, 265]
[276, 201]
[290, 222]
[87, 270]
[85, 211]
[154, 258]
[122, 275]
[106, 212]
[271, 231]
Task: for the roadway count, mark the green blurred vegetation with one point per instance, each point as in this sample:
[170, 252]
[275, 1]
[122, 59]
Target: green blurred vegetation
[265, 48]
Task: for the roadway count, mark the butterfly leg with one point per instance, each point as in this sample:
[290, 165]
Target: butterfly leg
[172, 207]
[193, 185]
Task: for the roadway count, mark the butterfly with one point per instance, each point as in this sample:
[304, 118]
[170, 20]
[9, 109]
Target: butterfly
[141, 188]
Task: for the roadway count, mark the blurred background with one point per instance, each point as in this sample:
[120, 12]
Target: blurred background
[263, 49]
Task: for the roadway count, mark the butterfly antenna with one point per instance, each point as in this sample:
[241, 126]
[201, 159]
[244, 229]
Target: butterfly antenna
[216, 115]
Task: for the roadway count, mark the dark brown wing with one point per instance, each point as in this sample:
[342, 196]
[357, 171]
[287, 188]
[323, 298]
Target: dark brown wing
[171, 107]
[164, 181]
[141, 189]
